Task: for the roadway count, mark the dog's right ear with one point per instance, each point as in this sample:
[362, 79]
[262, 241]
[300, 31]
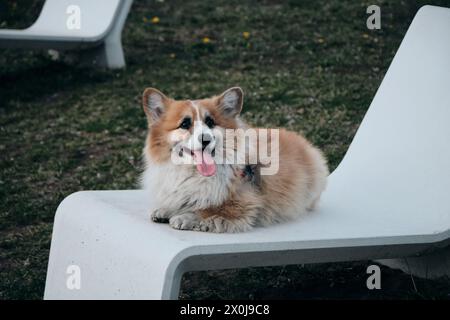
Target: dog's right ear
[154, 104]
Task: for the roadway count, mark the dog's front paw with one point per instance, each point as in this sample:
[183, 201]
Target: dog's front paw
[192, 221]
[185, 221]
[161, 215]
[214, 224]
[220, 224]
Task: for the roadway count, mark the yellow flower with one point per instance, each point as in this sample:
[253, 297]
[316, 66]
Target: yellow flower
[172, 55]
[321, 40]
[246, 34]
[155, 20]
[206, 40]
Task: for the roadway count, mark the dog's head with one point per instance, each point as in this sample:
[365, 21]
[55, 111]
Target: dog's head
[189, 131]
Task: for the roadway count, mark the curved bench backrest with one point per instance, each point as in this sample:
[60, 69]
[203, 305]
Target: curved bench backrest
[398, 165]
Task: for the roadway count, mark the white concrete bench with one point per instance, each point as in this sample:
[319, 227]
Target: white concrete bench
[388, 199]
[98, 25]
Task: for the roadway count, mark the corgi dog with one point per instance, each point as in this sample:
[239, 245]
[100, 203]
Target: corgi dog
[201, 182]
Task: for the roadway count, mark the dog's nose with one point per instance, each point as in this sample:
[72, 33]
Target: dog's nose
[205, 139]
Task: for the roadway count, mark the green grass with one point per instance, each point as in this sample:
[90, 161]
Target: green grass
[310, 66]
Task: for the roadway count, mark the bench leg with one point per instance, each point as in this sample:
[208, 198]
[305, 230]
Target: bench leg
[110, 53]
[102, 270]
[119, 284]
[97, 252]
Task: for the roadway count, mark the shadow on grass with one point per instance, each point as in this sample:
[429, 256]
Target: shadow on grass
[24, 83]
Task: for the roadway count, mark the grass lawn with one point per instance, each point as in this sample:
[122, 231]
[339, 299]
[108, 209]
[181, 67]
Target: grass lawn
[310, 66]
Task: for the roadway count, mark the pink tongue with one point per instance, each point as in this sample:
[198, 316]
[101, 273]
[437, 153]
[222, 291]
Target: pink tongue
[205, 163]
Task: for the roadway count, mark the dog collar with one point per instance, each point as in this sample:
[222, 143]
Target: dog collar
[247, 172]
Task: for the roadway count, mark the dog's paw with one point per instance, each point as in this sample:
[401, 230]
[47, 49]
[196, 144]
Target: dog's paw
[220, 224]
[185, 221]
[214, 224]
[161, 215]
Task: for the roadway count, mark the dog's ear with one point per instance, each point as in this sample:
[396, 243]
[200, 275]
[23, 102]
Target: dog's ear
[154, 104]
[230, 102]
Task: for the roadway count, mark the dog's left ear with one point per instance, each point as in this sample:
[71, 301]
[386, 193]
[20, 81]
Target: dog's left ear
[230, 102]
[154, 104]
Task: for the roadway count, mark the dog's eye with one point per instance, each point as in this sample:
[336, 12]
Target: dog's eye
[209, 122]
[186, 124]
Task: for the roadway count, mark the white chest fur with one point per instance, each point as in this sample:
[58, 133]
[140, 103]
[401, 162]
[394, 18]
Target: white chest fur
[178, 186]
